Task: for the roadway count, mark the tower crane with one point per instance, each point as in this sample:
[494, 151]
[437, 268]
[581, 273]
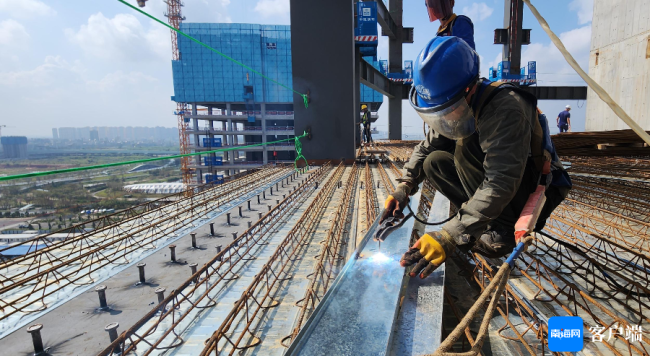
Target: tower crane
[174, 18]
[1, 126]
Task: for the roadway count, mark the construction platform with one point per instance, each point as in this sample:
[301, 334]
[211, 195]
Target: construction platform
[277, 262]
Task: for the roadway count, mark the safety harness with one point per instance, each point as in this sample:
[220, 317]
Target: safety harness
[540, 155]
[542, 158]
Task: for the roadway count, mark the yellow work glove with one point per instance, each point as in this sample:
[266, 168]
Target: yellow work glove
[429, 252]
[396, 202]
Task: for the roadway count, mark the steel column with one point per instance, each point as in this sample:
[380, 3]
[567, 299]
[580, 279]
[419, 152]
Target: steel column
[332, 112]
[395, 66]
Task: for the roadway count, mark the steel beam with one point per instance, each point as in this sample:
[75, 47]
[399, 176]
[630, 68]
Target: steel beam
[375, 79]
[558, 93]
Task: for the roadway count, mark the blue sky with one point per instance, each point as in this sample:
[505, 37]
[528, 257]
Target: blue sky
[86, 63]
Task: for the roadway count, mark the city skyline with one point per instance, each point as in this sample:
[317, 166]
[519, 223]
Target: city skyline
[115, 132]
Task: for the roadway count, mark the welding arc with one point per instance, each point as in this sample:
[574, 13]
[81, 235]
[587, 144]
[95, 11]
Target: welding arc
[77, 169]
[621, 289]
[429, 223]
[305, 98]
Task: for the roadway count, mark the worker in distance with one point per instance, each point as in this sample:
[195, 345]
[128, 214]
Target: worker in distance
[450, 23]
[485, 151]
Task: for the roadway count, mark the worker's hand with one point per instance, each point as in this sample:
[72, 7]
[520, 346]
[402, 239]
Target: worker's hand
[396, 202]
[428, 253]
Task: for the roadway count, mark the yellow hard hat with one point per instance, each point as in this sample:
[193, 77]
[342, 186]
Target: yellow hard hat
[364, 106]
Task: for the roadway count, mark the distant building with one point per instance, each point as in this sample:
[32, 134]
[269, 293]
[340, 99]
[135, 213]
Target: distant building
[14, 146]
[67, 133]
[118, 133]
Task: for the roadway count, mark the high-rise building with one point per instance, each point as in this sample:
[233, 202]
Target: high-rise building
[14, 146]
[55, 134]
[67, 133]
[94, 135]
[232, 106]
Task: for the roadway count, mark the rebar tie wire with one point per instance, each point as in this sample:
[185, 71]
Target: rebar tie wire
[305, 98]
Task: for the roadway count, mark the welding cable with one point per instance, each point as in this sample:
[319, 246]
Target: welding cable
[602, 94]
[497, 285]
[621, 289]
[106, 165]
[415, 216]
[305, 97]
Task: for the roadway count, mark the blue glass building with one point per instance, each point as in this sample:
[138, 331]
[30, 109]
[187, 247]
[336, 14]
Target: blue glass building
[233, 102]
[202, 76]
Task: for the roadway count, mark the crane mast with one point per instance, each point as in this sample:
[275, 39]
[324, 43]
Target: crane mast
[175, 17]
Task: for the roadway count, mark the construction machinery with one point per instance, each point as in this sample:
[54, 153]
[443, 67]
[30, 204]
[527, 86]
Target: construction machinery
[175, 17]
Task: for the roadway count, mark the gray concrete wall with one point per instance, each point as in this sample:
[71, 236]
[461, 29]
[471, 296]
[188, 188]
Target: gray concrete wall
[322, 48]
[620, 63]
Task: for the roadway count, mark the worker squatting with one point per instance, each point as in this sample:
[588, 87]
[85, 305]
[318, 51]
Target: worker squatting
[488, 150]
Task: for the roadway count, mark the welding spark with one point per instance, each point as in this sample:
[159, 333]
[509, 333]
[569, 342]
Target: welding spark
[379, 258]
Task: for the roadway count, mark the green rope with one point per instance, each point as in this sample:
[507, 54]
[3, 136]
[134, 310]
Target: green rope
[77, 169]
[299, 155]
[304, 96]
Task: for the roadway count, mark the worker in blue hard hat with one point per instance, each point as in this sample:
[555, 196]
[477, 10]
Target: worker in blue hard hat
[485, 151]
[450, 23]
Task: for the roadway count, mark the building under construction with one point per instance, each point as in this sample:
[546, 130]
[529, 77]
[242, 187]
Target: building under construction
[232, 106]
[279, 261]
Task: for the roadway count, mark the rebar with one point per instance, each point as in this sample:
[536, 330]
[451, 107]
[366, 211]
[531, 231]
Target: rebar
[258, 294]
[78, 259]
[190, 295]
[328, 257]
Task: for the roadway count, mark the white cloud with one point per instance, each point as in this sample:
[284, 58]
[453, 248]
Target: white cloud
[121, 38]
[53, 69]
[25, 8]
[119, 97]
[585, 9]
[270, 8]
[13, 34]
[478, 11]
[552, 68]
[119, 79]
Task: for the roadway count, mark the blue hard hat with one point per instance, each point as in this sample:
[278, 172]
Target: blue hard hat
[444, 68]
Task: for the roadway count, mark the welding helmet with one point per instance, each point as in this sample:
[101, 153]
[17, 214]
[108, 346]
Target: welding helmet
[444, 72]
[439, 9]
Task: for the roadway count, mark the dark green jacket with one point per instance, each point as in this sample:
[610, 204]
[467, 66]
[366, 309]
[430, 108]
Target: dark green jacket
[504, 129]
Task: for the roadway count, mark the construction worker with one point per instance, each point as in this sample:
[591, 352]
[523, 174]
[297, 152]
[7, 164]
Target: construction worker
[564, 120]
[450, 23]
[365, 121]
[484, 151]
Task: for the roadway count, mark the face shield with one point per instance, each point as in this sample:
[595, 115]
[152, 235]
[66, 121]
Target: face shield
[439, 9]
[454, 119]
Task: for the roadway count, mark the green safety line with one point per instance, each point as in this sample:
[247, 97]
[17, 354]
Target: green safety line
[304, 96]
[299, 155]
[77, 169]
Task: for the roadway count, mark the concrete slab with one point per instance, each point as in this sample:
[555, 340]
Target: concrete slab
[77, 327]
